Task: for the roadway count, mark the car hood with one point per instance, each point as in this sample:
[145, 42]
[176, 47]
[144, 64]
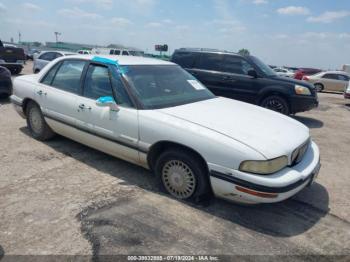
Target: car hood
[269, 133]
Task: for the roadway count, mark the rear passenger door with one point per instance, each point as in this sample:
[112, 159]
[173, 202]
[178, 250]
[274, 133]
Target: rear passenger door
[59, 90]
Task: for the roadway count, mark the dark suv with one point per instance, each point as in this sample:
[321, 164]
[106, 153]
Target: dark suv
[248, 79]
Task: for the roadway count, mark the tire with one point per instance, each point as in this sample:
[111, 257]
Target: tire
[277, 104]
[36, 123]
[173, 166]
[319, 87]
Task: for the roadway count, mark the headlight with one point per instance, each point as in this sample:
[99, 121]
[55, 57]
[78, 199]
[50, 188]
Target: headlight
[264, 167]
[302, 90]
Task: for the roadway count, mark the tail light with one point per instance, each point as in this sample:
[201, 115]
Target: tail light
[305, 78]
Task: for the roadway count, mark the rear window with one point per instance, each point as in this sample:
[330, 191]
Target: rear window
[184, 59]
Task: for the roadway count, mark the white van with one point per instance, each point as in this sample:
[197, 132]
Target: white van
[116, 51]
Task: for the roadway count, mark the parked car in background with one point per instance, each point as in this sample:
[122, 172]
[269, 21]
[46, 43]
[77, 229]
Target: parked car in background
[299, 74]
[119, 52]
[283, 72]
[84, 52]
[46, 57]
[12, 58]
[5, 82]
[248, 79]
[335, 81]
[347, 92]
[31, 53]
[154, 114]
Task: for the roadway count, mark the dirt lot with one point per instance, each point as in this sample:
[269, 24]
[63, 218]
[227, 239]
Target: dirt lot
[61, 197]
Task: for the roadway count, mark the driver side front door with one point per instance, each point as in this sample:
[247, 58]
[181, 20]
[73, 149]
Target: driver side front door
[116, 131]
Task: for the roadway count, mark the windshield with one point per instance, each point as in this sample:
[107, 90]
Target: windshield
[263, 67]
[159, 86]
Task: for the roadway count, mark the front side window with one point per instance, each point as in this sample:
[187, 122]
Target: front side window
[97, 82]
[157, 86]
[343, 78]
[125, 53]
[262, 66]
[236, 65]
[212, 62]
[68, 76]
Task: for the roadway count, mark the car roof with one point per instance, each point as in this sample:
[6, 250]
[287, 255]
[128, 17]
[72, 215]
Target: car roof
[206, 50]
[123, 60]
[58, 51]
[336, 72]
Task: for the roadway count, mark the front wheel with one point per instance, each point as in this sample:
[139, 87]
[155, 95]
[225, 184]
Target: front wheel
[277, 104]
[182, 175]
[319, 87]
[36, 123]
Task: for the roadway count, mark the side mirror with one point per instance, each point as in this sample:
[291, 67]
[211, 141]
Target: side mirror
[253, 73]
[107, 101]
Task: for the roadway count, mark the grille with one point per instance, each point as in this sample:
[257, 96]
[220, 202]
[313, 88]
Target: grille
[299, 153]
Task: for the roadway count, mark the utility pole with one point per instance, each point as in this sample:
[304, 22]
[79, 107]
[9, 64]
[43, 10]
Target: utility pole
[19, 37]
[57, 34]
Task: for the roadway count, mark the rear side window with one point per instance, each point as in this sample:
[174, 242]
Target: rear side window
[68, 76]
[97, 82]
[111, 52]
[184, 59]
[47, 80]
[212, 62]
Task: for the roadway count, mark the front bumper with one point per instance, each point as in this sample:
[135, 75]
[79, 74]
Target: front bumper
[303, 103]
[238, 186]
[18, 105]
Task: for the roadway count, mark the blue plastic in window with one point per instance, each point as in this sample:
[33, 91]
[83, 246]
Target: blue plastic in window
[105, 61]
[105, 99]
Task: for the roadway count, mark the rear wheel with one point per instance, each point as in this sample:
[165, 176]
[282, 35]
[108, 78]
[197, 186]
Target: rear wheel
[319, 87]
[36, 123]
[182, 175]
[277, 104]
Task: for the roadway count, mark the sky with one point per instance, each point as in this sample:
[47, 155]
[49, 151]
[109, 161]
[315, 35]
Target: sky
[308, 33]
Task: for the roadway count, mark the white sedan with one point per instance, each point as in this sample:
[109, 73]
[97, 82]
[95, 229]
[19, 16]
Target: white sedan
[156, 115]
[284, 72]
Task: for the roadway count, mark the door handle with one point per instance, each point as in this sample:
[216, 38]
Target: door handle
[230, 78]
[82, 107]
[40, 93]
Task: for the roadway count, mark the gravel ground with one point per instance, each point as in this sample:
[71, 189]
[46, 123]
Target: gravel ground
[62, 198]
